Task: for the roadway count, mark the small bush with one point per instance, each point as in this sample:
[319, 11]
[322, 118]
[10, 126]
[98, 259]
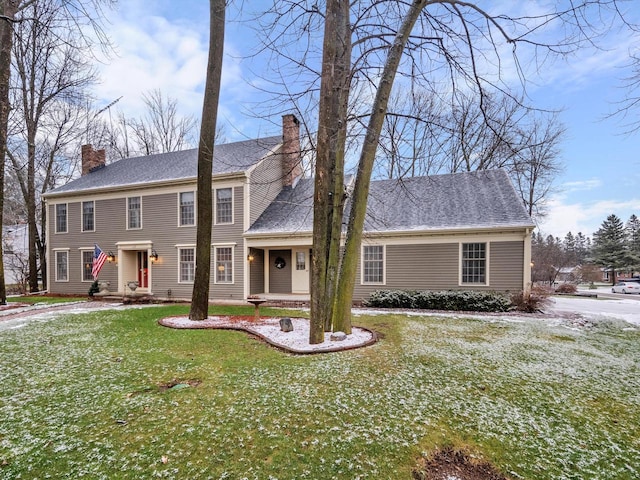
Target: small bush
[472, 301]
[567, 288]
[530, 301]
[94, 288]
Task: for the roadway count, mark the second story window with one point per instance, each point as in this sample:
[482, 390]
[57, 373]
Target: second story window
[224, 206]
[88, 220]
[134, 213]
[187, 209]
[61, 218]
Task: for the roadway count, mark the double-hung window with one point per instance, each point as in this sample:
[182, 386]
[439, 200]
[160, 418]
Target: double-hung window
[224, 205]
[474, 263]
[62, 265]
[187, 264]
[134, 213]
[187, 209]
[373, 264]
[87, 265]
[88, 217]
[224, 264]
[61, 218]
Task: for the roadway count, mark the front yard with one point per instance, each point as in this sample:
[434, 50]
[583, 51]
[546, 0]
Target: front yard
[89, 395]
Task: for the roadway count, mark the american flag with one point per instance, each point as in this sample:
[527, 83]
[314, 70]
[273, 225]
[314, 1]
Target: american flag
[99, 257]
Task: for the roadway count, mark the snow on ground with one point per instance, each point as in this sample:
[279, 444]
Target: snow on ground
[269, 329]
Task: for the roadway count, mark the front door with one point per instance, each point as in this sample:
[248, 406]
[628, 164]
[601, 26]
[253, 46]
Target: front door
[143, 272]
[300, 270]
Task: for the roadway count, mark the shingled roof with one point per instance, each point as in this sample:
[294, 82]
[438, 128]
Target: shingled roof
[467, 200]
[183, 165]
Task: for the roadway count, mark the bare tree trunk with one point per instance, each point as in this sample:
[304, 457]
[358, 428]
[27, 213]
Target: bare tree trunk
[200, 299]
[7, 12]
[329, 175]
[346, 281]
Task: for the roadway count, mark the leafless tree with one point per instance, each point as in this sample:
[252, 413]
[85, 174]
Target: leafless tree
[200, 298]
[442, 46]
[51, 74]
[66, 25]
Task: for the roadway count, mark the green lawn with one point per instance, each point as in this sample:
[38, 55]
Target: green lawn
[81, 397]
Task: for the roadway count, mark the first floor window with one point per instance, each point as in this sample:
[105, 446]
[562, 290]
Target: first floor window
[62, 266]
[224, 265]
[474, 262]
[187, 209]
[61, 218]
[373, 264]
[224, 208]
[134, 213]
[300, 261]
[187, 264]
[88, 223]
[87, 266]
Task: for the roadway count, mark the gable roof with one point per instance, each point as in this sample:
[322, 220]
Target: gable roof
[229, 158]
[466, 200]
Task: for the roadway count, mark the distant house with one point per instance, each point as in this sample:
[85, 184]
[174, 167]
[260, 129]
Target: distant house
[15, 248]
[457, 231]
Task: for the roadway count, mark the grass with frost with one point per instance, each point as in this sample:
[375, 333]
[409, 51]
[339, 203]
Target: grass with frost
[81, 397]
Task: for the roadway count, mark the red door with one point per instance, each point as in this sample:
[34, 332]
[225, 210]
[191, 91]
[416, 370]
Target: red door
[143, 272]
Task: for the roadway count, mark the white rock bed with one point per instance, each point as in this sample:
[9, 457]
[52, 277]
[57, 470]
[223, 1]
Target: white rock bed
[269, 330]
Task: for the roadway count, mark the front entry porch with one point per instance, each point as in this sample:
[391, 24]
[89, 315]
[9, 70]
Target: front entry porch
[280, 272]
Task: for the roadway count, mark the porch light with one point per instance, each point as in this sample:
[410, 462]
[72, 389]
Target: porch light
[250, 258]
[153, 256]
[110, 257]
[532, 264]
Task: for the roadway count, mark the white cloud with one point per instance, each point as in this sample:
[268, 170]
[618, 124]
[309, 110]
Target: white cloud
[585, 217]
[154, 52]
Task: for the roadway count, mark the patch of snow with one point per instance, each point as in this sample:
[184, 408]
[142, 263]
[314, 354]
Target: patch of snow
[269, 329]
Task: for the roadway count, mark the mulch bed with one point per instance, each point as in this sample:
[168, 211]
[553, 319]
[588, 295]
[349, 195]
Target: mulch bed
[451, 464]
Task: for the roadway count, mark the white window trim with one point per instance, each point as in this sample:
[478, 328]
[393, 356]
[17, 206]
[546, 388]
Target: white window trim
[233, 264]
[82, 250]
[127, 212]
[487, 252]
[215, 206]
[186, 247]
[384, 264]
[195, 209]
[55, 257]
[55, 214]
[82, 216]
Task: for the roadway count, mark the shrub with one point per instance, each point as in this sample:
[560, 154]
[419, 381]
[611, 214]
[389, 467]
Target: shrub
[473, 301]
[94, 288]
[567, 288]
[530, 301]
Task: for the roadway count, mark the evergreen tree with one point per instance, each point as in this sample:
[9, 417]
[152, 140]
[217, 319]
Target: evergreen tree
[610, 249]
[569, 246]
[633, 242]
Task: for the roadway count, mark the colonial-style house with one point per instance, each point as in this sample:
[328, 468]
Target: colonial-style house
[458, 231]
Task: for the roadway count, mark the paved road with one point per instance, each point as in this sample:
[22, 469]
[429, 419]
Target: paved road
[606, 305]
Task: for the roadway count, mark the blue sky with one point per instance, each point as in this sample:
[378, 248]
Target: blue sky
[163, 46]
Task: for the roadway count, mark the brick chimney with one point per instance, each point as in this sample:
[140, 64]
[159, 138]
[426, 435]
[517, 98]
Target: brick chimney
[291, 152]
[92, 159]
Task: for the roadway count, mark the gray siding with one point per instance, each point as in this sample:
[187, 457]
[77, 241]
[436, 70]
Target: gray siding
[435, 267]
[280, 278]
[507, 267]
[256, 272]
[265, 183]
[159, 226]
